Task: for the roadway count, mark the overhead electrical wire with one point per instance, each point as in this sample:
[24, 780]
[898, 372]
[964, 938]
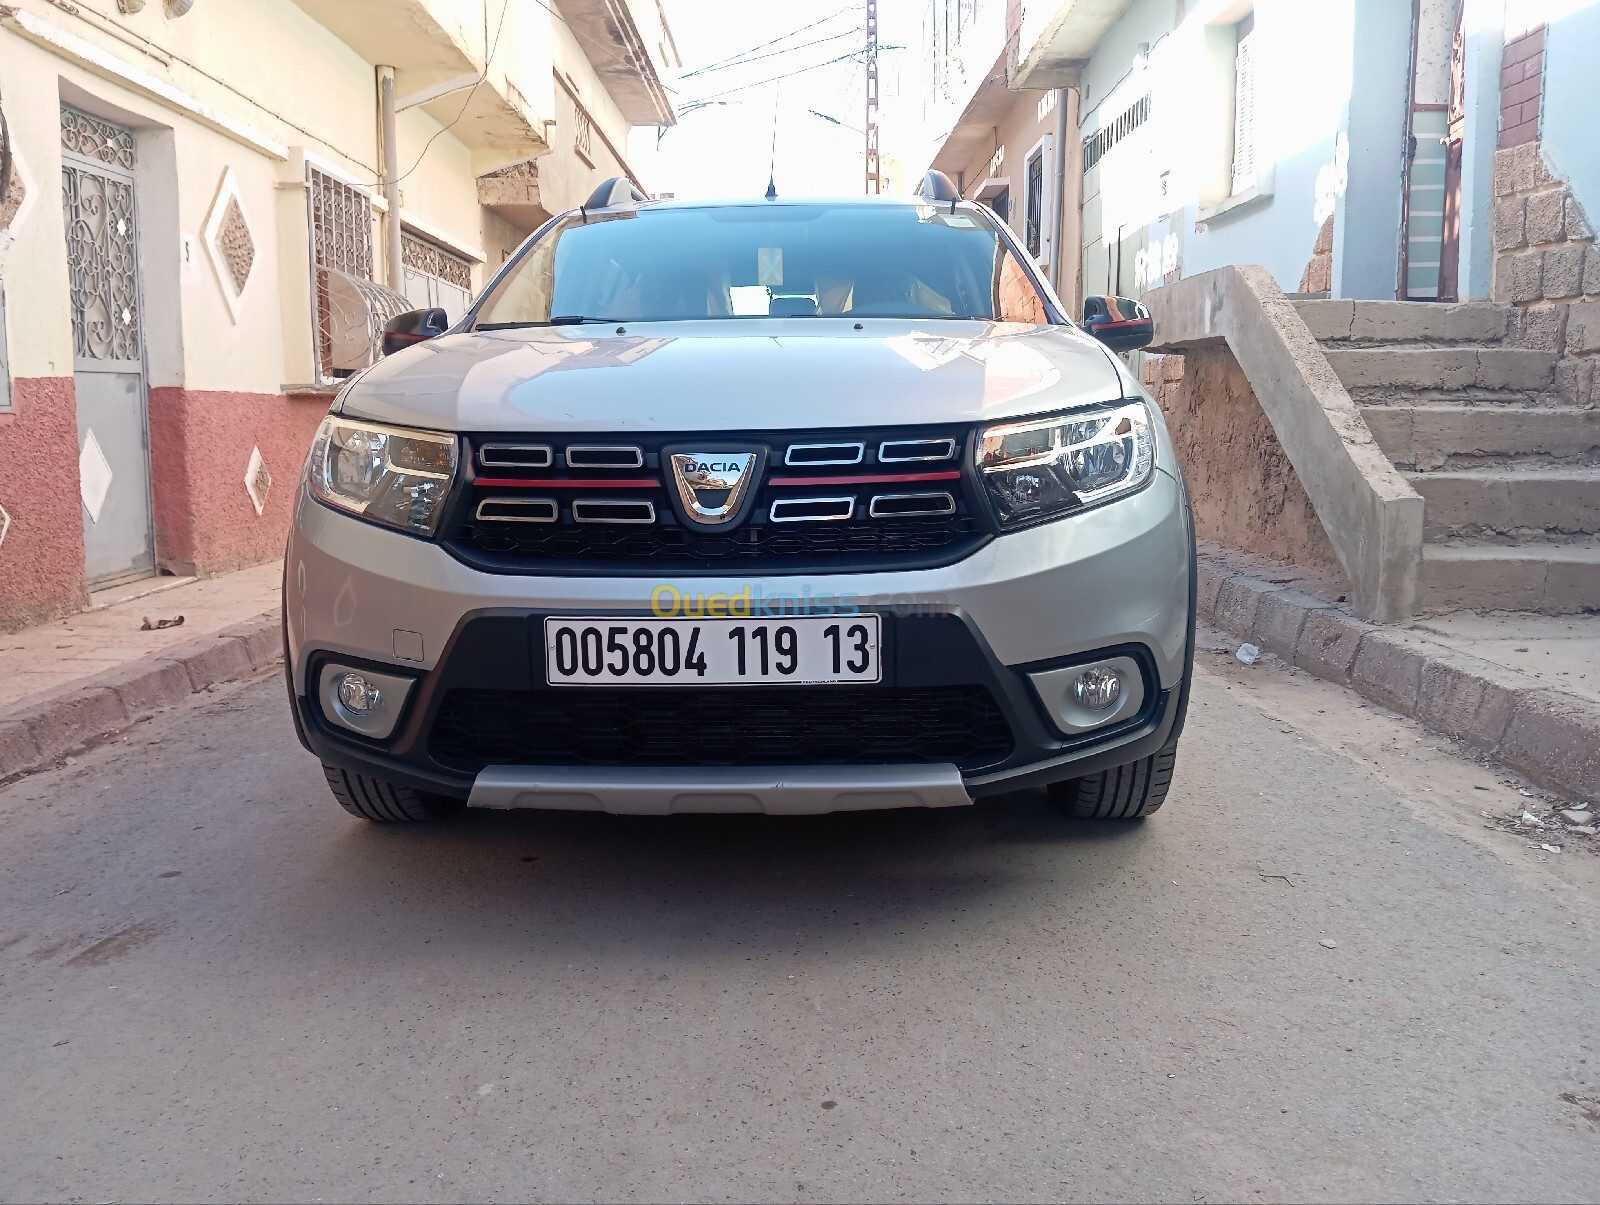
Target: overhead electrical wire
[478, 83]
[854, 54]
[730, 60]
[772, 54]
[851, 84]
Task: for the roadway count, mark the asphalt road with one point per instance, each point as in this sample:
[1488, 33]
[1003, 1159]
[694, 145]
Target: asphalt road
[215, 985]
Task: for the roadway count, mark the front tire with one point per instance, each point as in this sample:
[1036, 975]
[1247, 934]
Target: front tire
[385, 802]
[1120, 793]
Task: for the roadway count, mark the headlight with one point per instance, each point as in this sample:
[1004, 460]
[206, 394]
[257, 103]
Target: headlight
[1044, 468]
[387, 474]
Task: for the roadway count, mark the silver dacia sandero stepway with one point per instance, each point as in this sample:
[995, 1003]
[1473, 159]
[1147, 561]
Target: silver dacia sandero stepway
[783, 506]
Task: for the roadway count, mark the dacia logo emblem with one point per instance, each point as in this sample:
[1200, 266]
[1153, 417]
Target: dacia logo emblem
[713, 486]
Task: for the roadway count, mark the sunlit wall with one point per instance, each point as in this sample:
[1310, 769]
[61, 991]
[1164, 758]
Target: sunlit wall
[1572, 97]
[1330, 88]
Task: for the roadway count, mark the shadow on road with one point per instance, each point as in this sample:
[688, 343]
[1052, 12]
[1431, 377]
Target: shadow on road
[742, 886]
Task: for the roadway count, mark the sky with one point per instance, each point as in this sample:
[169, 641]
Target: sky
[723, 143]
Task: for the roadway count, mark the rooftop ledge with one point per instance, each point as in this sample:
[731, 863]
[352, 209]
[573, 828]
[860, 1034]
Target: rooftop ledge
[1056, 40]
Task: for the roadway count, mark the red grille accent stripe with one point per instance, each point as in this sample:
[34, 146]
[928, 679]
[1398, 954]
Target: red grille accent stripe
[571, 483]
[868, 479]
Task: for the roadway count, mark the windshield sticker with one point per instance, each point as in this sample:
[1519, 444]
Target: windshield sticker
[769, 265]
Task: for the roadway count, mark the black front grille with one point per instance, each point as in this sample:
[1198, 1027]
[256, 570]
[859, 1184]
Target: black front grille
[720, 726]
[605, 547]
[520, 518]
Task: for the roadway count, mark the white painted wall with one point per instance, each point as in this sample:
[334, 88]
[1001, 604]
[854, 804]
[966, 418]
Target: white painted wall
[1436, 25]
[1157, 187]
[1572, 98]
[917, 111]
[269, 66]
[565, 180]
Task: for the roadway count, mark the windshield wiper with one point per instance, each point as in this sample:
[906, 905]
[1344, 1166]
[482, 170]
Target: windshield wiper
[557, 320]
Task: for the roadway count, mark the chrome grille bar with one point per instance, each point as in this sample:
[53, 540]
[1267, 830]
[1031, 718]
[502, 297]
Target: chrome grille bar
[609, 510]
[816, 454]
[904, 506]
[811, 510]
[898, 451]
[516, 456]
[604, 456]
[518, 510]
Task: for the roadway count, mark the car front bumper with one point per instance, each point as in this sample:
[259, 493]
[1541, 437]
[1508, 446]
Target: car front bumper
[1116, 580]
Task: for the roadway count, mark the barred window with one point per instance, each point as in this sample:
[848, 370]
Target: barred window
[1033, 213]
[434, 276]
[341, 225]
[351, 307]
[583, 134]
[1244, 107]
[1099, 143]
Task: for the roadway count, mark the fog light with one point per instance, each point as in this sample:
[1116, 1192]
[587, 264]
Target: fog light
[360, 696]
[367, 701]
[1098, 688]
[1090, 695]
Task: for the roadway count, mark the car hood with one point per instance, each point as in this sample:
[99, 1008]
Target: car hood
[733, 375]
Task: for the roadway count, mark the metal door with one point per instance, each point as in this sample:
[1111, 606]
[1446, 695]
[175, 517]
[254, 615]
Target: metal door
[97, 165]
[1454, 142]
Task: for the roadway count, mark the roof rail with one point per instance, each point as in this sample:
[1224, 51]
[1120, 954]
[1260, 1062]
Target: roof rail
[618, 190]
[936, 186]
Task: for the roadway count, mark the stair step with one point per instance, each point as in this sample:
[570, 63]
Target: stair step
[1437, 433]
[1557, 579]
[1404, 321]
[1403, 368]
[1522, 399]
[1473, 501]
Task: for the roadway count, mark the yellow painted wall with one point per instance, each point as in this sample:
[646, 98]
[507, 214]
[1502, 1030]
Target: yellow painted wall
[565, 180]
[292, 83]
[1016, 133]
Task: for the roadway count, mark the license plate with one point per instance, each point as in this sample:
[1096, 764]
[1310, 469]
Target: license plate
[604, 651]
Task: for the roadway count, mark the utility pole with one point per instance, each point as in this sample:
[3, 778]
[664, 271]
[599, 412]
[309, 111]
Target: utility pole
[395, 271]
[874, 179]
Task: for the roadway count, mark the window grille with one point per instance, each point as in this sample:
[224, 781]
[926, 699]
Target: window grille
[583, 133]
[341, 225]
[432, 260]
[1034, 205]
[1244, 108]
[1097, 144]
[97, 164]
[96, 140]
[351, 307]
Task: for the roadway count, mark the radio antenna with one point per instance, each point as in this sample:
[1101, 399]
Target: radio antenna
[772, 168]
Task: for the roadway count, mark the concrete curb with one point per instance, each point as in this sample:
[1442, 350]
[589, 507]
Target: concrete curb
[1549, 736]
[41, 730]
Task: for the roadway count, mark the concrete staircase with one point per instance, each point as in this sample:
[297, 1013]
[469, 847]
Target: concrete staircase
[1509, 473]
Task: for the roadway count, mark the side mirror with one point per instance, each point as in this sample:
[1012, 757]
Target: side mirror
[1121, 323]
[401, 331]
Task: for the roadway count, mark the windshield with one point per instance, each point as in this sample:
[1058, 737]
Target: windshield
[767, 261]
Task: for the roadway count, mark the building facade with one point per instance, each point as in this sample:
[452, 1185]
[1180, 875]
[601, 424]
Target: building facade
[202, 231]
[1354, 148]
[1312, 139]
[954, 106]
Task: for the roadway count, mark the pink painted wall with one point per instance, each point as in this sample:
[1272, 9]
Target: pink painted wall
[41, 559]
[200, 443]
